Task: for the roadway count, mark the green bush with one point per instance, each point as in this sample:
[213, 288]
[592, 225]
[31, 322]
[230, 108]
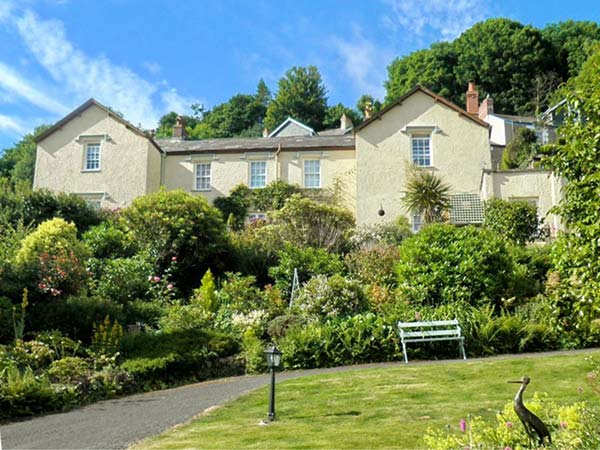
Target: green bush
[124, 279]
[385, 234]
[308, 261]
[11, 236]
[68, 370]
[158, 358]
[254, 252]
[516, 221]
[575, 426]
[51, 259]
[6, 325]
[74, 316]
[325, 297]
[179, 317]
[306, 223]
[359, 339]
[374, 264]
[32, 354]
[176, 224]
[146, 313]
[444, 263]
[22, 393]
[106, 240]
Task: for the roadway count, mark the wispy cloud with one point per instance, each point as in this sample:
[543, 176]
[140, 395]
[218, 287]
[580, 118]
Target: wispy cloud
[14, 83]
[364, 62]
[446, 18]
[152, 66]
[11, 125]
[175, 102]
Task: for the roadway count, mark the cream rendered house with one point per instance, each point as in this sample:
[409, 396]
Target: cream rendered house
[96, 154]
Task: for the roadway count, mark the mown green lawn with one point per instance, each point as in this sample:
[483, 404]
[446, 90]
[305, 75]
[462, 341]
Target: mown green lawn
[379, 407]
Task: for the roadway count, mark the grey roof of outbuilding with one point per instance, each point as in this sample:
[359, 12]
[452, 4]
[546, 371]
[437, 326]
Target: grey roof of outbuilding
[335, 132]
[225, 145]
[514, 118]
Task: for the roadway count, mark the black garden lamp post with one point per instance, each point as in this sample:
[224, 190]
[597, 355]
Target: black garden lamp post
[273, 356]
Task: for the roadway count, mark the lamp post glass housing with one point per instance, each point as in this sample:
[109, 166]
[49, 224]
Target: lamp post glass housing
[273, 356]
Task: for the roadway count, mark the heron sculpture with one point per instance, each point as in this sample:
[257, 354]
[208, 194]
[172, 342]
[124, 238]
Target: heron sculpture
[534, 426]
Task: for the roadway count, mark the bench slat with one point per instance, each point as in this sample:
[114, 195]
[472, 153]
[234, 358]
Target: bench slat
[428, 333]
[434, 323]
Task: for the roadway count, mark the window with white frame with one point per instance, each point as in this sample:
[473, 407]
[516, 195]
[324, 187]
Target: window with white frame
[421, 150]
[254, 216]
[92, 156]
[202, 177]
[312, 173]
[417, 222]
[258, 174]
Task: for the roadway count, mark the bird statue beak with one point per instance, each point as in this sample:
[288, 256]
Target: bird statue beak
[515, 381]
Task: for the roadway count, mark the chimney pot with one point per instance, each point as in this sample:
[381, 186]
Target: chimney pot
[179, 128]
[345, 122]
[472, 99]
[368, 110]
[265, 133]
[486, 108]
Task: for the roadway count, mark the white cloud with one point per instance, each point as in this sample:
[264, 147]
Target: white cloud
[447, 18]
[14, 83]
[172, 101]
[11, 125]
[85, 76]
[6, 8]
[152, 66]
[364, 62]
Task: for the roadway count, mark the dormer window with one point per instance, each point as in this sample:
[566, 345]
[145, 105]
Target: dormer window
[92, 157]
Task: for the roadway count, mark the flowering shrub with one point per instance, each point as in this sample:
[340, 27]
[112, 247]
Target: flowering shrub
[107, 336]
[573, 426]
[374, 265]
[52, 259]
[330, 297]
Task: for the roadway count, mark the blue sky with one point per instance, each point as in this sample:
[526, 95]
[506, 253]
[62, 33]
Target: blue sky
[147, 57]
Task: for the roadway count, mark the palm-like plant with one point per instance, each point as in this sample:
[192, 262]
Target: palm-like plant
[427, 194]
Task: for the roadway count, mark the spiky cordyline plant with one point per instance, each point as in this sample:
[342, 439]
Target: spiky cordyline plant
[427, 194]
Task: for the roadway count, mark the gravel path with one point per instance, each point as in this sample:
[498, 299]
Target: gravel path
[116, 424]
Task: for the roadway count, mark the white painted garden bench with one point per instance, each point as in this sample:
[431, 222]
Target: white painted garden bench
[437, 330]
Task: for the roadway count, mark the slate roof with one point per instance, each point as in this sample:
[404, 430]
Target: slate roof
[230, 145]
[514, 118]
[335, 132]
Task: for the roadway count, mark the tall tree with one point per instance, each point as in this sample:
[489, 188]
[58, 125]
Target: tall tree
[504, 57]
[18, 163]
[573, 43]
[301, 94]
[432, 68]
[334, 114]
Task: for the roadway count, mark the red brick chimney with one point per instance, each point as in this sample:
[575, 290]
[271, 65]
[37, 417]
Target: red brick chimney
[179, 128]
[486, 108]
[472, 99]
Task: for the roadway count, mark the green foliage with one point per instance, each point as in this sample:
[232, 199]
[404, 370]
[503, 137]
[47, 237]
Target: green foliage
[179, 317]
[6, 320]
[301, 95]
[572, 42]
[428, 195]
[157, 358]
[67, 370]
[573, 426]
[19, 323]
[17, 163]
[124, 279]
[445, 263]
[516, 221]
[576, 255]
[107, 240]
[206, 295]
[519, 152]
[106, 337]
[431, 68]
[304, 222]
[334, 114]
[166, 122]
[325, 297]
[74, 316]
[386, 233]
[365, 102]
[175, 224]
[51, 259]
[253, 352]
[308, 261]
[354, 340]
[374, 264]
[254, 252]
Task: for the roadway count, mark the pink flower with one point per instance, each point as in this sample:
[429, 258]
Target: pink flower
[507, 448]
[174, 258]
[169, 286]
[509, 424]
[463, 425]
[156, 279]
[563, 424]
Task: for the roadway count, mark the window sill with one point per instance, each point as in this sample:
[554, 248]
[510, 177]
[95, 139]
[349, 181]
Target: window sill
[202, 190]
[90, 170]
